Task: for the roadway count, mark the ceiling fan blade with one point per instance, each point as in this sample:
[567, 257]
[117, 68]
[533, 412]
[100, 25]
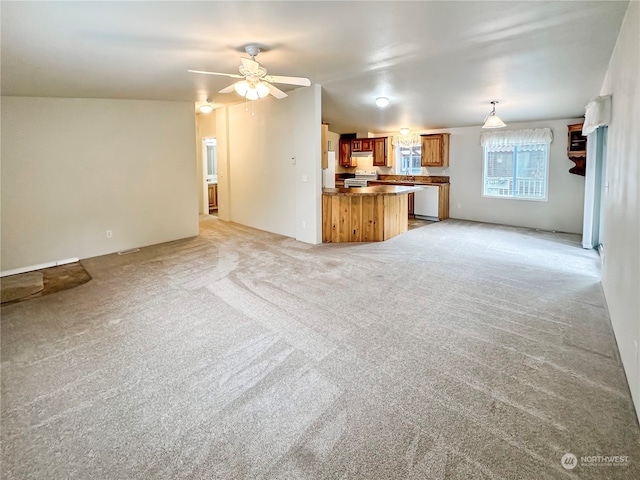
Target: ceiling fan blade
[303, 82]
[232, 75]
[250, 65]
[276, 92]
[228, 89]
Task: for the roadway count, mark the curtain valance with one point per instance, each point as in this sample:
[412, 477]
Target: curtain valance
[506, 140]
[596, 114]
[406, 140]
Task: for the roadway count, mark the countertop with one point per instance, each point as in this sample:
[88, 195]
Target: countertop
[375, 190]
[418, 180]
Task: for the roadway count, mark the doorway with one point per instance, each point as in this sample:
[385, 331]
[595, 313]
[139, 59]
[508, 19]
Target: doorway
[596, 187]
[210, 170]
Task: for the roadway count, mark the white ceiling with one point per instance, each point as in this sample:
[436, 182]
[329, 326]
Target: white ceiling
[440, 63]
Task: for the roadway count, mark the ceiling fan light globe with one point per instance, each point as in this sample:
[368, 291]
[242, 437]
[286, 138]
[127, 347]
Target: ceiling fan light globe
[262, 89]
[252, 94]
[241, 87]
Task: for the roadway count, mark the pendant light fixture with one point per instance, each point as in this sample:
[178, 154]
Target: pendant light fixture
[493, 120]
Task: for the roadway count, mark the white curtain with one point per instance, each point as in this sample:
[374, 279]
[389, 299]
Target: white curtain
[406, 140]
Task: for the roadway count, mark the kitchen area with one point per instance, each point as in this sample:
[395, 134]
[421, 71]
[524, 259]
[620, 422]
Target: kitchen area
[391, 165]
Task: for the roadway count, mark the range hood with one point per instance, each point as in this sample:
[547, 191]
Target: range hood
[362, 154]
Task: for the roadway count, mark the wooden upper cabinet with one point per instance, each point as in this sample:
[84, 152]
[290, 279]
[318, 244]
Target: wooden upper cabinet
[435, 150]
[325, 145]
[345, 153]
[362, 145]
[367, 145]
[380, 152]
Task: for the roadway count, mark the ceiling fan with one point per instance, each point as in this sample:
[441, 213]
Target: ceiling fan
[255, 82]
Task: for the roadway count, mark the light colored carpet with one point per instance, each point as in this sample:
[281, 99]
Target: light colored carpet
[455, 351]
[15, 287]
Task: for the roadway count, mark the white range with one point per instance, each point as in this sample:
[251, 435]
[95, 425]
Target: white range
[361, 178]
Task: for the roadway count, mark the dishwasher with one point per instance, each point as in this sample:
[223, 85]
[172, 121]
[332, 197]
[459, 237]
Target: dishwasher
[425, 202]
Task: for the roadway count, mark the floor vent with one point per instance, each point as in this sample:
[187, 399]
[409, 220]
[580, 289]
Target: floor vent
[131, 250]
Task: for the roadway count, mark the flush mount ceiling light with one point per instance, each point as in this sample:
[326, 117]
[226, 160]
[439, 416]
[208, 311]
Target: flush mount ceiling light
[493, 120]
[382, 102]
[404, 131]
[206, 107]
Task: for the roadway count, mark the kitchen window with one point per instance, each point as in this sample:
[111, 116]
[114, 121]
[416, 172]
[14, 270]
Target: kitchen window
[408, 154]
[516, 164]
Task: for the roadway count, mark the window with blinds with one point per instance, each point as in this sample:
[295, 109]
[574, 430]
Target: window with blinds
[516, 166]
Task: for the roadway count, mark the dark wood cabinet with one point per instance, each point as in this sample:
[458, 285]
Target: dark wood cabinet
[213, 197]
[377, 145]
[380, 152]
[362, 145]
[367, 145]
[435, 150]
[577, 149]
[345, 153]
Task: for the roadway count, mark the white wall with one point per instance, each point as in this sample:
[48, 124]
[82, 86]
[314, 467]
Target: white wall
[74, 168]
[621, 236]
[266, 188]
[562, 212]
[224, 184]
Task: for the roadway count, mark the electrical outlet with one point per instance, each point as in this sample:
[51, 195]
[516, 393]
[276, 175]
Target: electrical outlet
[109, 234]
[459, 205]
[304, 224]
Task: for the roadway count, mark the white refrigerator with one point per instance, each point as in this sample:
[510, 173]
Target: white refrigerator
[329, 173]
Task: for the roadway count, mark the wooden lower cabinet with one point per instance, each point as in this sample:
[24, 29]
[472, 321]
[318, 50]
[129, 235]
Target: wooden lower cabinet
[213, 197]
[366, 218]
[443, 202]
[410, 204]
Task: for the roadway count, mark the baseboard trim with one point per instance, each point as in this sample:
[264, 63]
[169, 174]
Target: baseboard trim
[40, 266]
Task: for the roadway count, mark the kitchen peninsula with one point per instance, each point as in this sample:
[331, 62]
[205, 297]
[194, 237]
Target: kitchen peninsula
[368, 214]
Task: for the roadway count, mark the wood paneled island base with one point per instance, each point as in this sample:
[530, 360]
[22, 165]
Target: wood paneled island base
[367, 214]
